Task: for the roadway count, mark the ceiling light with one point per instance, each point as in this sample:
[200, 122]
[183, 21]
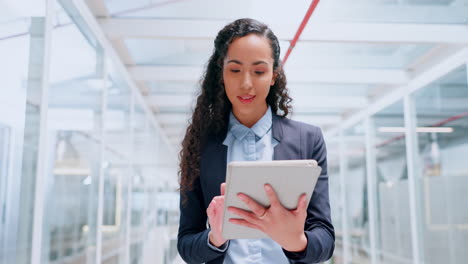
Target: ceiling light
[418, 129]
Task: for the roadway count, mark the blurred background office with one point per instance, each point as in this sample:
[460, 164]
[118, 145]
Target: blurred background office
[96, 95]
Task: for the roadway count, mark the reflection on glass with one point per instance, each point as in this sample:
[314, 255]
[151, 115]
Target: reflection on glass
[442, 109]
[17, 167]
[336, 205]
[4, 157]
[356, 194]
[81, 145]
[74, 125]
[136, 252]
[69, 221]
[140, 127]
[393, 221]
[4, 168]
[116, 167]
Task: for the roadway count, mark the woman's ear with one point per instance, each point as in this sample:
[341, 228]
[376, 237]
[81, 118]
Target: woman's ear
[273, 79]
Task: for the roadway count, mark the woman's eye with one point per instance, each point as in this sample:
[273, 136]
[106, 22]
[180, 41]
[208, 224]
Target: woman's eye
[235, 70]
[259, 72]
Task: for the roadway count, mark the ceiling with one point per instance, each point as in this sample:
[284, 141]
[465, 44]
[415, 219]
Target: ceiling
[350, 53]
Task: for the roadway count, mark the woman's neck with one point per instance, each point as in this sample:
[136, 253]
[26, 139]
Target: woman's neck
[250, 119]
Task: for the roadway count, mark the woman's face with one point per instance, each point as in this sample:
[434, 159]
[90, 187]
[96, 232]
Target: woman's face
[248, 75]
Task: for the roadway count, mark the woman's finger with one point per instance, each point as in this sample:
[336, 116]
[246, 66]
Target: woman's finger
[250, 217]
[223, 188]
[210, 209]
[242, 222]
[274, 201]
[256, 208]
[302, 203]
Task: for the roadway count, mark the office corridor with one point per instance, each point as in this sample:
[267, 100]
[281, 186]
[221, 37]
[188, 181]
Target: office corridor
[96, 97]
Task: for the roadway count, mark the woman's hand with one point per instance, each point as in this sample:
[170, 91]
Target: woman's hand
[284, 226]
[215, 218]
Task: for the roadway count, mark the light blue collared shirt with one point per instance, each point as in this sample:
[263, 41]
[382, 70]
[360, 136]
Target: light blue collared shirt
[245, 144]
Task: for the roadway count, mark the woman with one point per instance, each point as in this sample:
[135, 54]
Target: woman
[241, 115]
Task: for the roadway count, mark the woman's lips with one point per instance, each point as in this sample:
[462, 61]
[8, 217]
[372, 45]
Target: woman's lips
[247, 99]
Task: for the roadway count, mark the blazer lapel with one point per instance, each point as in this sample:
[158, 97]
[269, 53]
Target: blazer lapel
[222, 156]
[279, 152]
[213, 168]
[289, 147]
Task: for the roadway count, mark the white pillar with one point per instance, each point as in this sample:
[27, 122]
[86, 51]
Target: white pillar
[343, 169]
[102, 69]
[411, 160]
[128, 217]
[371, 186]
[43, 90]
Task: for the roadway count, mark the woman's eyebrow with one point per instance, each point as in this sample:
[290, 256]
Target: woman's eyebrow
[240, 63]
[259, 62]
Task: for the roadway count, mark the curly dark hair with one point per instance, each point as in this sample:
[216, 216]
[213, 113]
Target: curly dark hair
[211, 113]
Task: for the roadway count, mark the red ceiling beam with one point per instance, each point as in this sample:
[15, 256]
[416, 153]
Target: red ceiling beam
[311, 9]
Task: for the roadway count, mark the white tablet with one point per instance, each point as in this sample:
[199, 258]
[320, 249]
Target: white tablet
[289, 178]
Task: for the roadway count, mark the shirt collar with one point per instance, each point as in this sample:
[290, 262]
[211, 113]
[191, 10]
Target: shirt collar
[239, 131]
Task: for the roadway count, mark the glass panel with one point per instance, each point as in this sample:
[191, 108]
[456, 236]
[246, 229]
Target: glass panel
[4, 157]
[155, 180]
[4, 168]
[356, 194]
[116, 174]
[13, 27]
[140, 128]
[116, 168]
[20, 109]
[393, 219]
[442, 126]
[70, 216]
[14, 52]
[335, 198]
[74, 123]
[136, 253]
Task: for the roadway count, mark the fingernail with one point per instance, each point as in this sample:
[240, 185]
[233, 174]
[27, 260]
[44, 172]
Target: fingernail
[267, 187]
[241, 197]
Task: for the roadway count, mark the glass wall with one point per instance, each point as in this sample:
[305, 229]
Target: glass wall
[142, 155]
[356, 193]
[74, 144]
[116, 167]
[335, 192]
[442, 133]
[435, 119]
[392, 199]
[18, 36]
[94, 148]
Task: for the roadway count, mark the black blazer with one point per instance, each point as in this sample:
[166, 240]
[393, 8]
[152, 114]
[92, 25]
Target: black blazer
[296, 141]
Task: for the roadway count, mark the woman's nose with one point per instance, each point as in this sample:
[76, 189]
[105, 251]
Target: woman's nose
[247, 81]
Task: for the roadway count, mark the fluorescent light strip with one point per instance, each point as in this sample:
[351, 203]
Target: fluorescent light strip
[418, 129]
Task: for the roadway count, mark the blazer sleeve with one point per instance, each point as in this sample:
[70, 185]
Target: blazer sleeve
[193, 235]
[318, 227]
